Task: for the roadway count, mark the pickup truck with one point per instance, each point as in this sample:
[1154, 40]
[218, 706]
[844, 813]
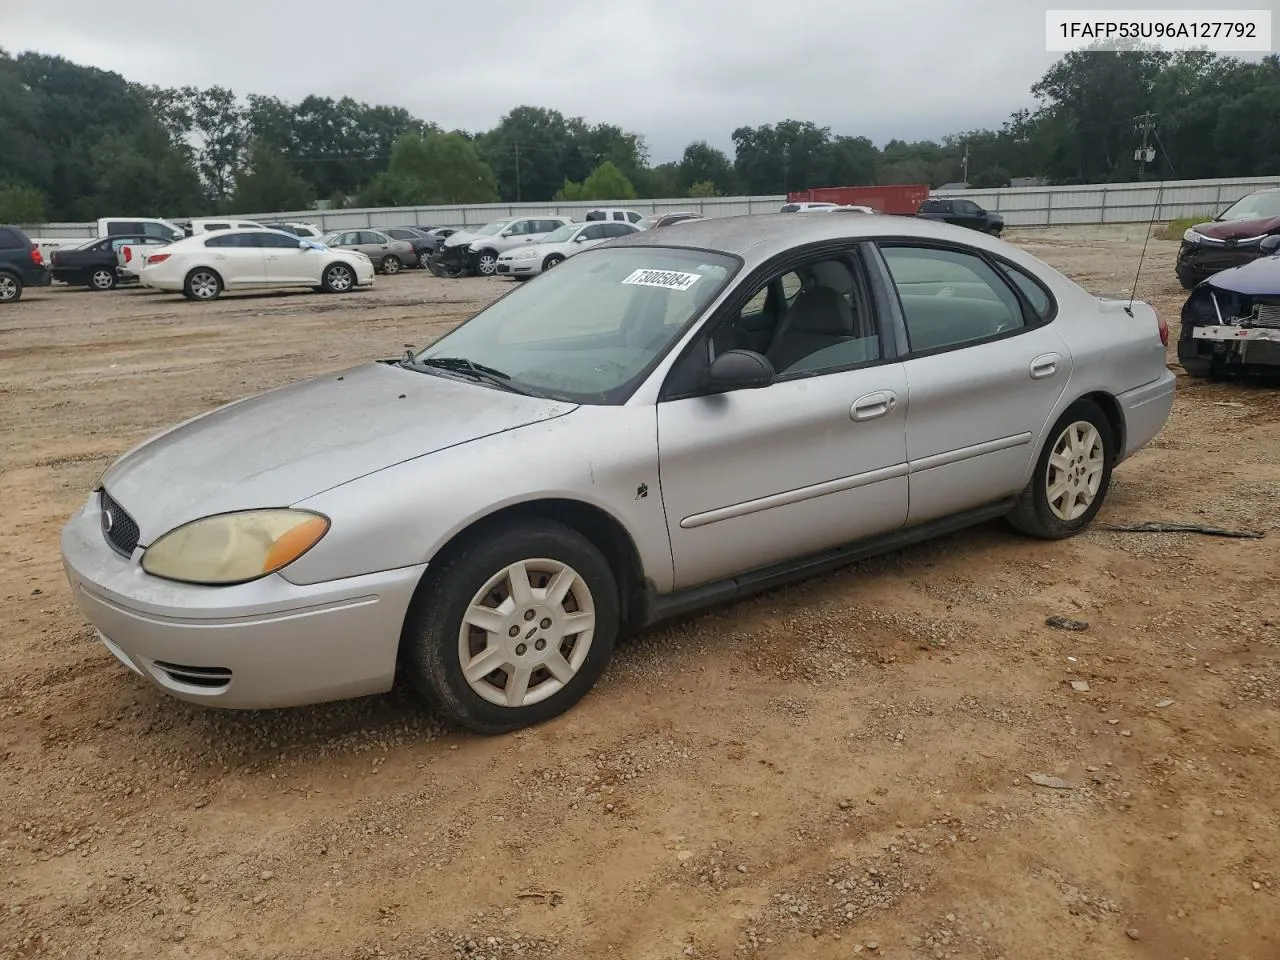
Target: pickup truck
[161, 230]
[963, 213]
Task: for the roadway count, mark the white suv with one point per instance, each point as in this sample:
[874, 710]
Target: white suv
[613, 213]
[484, 250]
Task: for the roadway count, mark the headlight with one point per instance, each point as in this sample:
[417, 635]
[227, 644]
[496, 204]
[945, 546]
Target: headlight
[1191, 237]
[525, 255]
[234, 547]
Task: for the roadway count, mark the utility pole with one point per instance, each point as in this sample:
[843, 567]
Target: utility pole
[786, 166]
[964, 176]
[517, 171]
[1145, 124]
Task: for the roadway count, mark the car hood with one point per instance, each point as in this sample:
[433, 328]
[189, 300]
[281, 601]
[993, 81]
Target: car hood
[459, 239]
[1237, 229]
[291, 443]
[1261, 277]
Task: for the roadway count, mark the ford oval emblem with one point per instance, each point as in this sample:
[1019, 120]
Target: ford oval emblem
[108, 520]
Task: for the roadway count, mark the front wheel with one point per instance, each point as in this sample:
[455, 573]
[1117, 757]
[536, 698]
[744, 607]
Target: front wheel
[552, 261]
[1071, 478]
[424, 260]
[486, 263]
[390, 265]
[338, 278]
[513, 630]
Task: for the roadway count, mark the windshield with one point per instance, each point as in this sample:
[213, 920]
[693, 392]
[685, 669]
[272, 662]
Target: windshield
[1256, 206]
[562, 235]
[489, 229]
[589, 329]
[330, 237]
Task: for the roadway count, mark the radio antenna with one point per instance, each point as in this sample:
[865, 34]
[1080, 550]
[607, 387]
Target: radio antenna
[1155, 209]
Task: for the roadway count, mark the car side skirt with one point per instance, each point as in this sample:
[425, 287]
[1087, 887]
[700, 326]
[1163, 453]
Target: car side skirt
[658, 607]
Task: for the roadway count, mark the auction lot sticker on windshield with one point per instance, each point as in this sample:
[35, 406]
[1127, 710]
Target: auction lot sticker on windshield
[666, 279]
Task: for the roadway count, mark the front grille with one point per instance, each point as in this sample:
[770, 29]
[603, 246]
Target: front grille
[211, 678]
[119, 529]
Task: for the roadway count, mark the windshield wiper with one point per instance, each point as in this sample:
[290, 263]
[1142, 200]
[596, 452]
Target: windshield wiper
[477, 371]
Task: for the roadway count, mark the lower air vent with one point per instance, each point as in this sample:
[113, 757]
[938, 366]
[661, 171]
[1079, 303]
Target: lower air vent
[211, 678]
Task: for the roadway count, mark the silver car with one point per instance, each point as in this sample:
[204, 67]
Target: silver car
[671, 419]
[388, 254]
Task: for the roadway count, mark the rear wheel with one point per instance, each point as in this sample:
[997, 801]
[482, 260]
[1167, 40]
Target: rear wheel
[424, 259]
[103, 279]
[338, 278]
[1071, 477]
[10, 288]
[514, 629]
[202, 284]
[390, 265]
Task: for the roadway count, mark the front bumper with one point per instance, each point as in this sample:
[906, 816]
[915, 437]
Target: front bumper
[1198, 261]
[265, 644]
[1145, 410]
[519, 268]
[1228, 346]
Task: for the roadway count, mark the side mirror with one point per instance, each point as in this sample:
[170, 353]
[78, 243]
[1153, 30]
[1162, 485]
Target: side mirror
[1270, 245]
[303, 245]
[579, 239]
[739, 370]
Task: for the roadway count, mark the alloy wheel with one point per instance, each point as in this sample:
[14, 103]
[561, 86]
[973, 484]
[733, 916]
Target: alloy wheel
[338, 278]
[487, 264]
[8, 288]
[102, 280]
[204, 286]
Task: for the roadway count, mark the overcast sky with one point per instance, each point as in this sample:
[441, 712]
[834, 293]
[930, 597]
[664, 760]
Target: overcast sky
[672, 70]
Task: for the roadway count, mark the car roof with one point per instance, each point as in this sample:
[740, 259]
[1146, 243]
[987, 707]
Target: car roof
[759, 236]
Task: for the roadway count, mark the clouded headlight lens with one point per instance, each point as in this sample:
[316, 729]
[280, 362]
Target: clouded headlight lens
[234, 547]
[524, 255]
[1192, 237]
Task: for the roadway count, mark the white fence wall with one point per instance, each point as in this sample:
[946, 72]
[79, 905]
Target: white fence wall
[1020, 207]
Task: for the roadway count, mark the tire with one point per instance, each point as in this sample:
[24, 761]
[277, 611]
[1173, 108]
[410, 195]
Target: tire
[202, 284]
[337, 278]
[486, 263]
[433, 642]
[103, 278]
[390, 265]
[424, 259]
[552, 261]
[10, 288]
[1034, 513]
[1187, 282]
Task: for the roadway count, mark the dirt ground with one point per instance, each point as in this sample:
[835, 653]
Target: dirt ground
[833, 770]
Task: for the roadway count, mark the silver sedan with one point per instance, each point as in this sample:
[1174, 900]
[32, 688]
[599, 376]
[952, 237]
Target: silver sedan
[670, 419]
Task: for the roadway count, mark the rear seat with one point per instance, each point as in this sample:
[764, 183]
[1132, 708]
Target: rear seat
[934, 322]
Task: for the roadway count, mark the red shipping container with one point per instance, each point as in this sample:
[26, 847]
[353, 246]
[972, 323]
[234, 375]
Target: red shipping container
[891, 198]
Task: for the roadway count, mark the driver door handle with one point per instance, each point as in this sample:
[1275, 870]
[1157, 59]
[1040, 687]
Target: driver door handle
[1044, 366]
[873, 405]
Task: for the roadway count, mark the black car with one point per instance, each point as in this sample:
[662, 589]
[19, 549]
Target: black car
[1231, 321]
[963, 213]
[93, 264]
[423, 243]
[1231, 239]
[21, 264]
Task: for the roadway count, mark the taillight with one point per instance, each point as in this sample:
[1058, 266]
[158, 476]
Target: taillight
[128, 254]
[37, 257]
[1164, 330]
[157, 258]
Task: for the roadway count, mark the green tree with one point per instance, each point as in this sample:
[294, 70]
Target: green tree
[268, 184]
[791, 155]
[144, 174]
[990, 178]
[703, 188]
[220, 129]
[703, 163]
[440, 168]
[19, 204]
[569, 191]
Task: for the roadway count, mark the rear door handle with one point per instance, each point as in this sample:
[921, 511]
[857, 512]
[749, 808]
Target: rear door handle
[1045, 365]
[873, 405]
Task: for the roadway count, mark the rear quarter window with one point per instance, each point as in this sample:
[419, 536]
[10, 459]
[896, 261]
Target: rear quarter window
[1039, 298]
[11, 239]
